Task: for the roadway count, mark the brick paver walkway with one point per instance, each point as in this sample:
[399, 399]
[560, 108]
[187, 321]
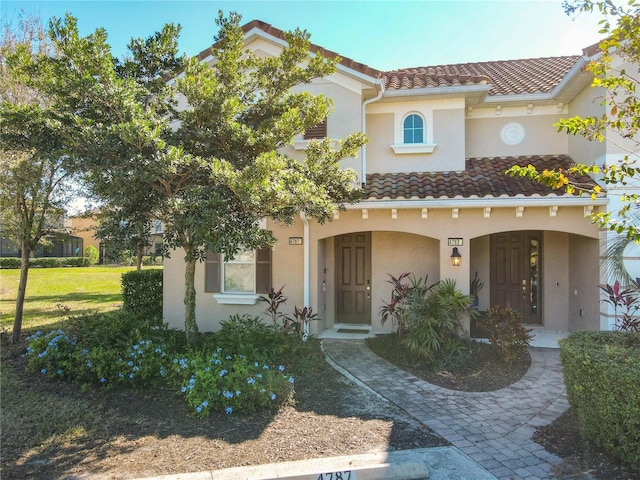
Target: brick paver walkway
[493, 428]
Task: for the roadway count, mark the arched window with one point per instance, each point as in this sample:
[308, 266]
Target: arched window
[413, 127]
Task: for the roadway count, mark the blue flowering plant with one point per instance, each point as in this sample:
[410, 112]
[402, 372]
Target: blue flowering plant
[144, 363]
[53, 354]
[233, 383]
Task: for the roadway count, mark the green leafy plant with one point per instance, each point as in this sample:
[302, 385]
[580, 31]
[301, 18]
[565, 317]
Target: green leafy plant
[506, 333]
[248, 335]
[233, 383]
[474, 289]
[142, 294]
[433, 314]
[602, 375]
[91, 255]
[52, 354]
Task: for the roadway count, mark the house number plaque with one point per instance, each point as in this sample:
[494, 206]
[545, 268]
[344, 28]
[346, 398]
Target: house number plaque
[295, 240]
[455, 242]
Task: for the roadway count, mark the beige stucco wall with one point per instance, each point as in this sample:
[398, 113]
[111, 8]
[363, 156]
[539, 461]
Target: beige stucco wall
[541, 138]
[85, 228]
[444, 126]
[416, 244]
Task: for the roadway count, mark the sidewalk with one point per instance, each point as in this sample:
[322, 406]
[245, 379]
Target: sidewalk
[492, 428]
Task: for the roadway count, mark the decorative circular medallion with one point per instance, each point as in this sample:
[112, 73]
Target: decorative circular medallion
[512, 133]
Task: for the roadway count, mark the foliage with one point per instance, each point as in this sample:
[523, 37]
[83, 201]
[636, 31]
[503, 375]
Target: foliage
[395, 309]
[232, 383]
[625, 303]
[506, 333]
[92, 255]
[275, 299]
[117, 350]
[300, 321]
[249, 336]
[9, 262]
[620, 119]
[602, 376]
[474, 288]
[427, 316]
[45, 262]
[142, 294]
[433, 314]
[34, 185]
[210, 172]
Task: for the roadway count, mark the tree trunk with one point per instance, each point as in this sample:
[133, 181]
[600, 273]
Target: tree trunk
[190, 324]
[139, 255]
[22, 291]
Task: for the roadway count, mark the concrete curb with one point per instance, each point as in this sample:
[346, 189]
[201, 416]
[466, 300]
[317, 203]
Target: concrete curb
[440, 463]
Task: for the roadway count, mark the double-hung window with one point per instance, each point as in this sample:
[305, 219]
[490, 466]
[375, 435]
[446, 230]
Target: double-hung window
[241, 279]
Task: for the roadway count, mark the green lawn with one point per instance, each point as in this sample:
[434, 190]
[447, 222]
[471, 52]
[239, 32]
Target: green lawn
[51, 291]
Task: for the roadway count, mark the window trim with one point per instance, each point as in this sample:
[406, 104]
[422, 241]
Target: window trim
[216, 261]
[426, 146]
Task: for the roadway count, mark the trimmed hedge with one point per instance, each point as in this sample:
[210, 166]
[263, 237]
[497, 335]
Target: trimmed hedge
[142, 294]
[9, 262]
[45, 262]
[602, 376]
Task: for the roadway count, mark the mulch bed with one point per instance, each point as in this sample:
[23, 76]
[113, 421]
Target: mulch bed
[149, 433]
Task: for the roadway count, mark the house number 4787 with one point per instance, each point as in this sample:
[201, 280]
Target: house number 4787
[346, 475]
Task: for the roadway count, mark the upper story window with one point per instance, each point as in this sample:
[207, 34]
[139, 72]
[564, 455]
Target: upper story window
[238, 281]
[413, 132]
[413, 128]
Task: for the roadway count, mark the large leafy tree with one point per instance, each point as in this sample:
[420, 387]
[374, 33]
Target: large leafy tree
[618, 124]
[34, 185]
[212, 170]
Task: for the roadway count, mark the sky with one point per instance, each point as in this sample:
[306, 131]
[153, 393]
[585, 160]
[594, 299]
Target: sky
[385, 35]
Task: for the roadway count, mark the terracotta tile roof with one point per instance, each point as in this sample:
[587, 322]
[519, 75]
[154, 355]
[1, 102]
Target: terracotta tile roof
[276, 32]
[534, 75]
[482, 178]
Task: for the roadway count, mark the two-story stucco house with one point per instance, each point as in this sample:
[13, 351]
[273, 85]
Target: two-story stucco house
[440, 140]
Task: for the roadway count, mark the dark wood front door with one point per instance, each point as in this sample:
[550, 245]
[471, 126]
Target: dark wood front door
[353, 271]
[515, 273]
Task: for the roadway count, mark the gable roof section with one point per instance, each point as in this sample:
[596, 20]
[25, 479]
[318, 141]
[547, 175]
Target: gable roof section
[534, 75]
[524, 76]
[316, 49]
[482, 178]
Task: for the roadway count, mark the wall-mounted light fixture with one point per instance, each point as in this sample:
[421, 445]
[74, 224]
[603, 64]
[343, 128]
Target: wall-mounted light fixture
[455, 257]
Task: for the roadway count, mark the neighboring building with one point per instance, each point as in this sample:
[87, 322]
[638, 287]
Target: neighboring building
[61, 245]
[85, 226]
[440, 139]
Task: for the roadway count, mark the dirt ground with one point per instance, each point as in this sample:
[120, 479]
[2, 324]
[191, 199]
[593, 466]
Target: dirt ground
[152, 433]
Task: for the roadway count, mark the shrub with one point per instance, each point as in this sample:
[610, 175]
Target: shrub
[427, 316]
[232, 383]
[506, 333]
[53, 354]
[91, 255]
[249, 336]
[45, 262]
[9, 262]
[602, 376]
[142, 294]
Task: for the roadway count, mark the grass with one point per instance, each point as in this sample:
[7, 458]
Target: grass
[52, 293]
